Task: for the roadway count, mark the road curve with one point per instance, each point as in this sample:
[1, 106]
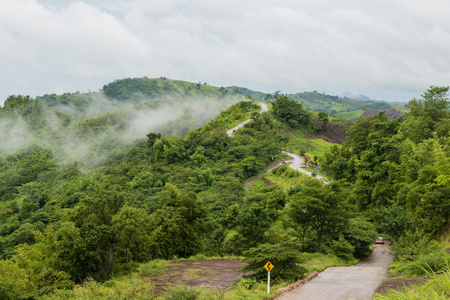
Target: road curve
[356, 282]
[298, 161]
[264, 108]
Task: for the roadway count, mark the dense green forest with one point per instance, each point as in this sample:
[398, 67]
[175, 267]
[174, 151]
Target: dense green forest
[92, 185]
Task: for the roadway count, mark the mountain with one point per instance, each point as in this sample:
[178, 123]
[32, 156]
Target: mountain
[140, 89]
[365, 98]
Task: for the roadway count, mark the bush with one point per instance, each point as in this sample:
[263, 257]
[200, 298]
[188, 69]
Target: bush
[182, 293]
[434, 262]
[284, 256]
[7, 290]
[342, 248]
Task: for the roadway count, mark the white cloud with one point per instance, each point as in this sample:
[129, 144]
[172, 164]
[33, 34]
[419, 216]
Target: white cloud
[384, 49]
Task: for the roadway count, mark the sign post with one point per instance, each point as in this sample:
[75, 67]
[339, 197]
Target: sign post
[268, 266]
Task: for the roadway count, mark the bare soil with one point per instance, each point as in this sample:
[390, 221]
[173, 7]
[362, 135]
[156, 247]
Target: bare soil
[198, 273]
[397, 284]
[331, 132]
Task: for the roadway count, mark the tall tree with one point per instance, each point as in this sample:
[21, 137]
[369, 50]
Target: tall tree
[321, 208]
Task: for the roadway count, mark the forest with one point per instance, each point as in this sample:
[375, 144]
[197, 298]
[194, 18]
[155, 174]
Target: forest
[94, 185]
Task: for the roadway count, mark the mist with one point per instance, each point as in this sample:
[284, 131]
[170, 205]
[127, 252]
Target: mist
[87, 136]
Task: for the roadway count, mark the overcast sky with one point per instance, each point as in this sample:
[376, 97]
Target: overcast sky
[392, 50]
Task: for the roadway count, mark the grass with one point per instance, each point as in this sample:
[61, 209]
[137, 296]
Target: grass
[318, 147]
[312, 147]
[154, 267]
[286, 179]
[319, 262]
[349, 114]
[438, 287]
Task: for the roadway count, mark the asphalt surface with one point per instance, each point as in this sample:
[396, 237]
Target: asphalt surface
[264, 108]
[298, 162]
[356, 282]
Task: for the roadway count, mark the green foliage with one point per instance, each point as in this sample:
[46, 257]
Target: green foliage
[416, 251]
[291, 112]
[284, 256]
[438, 287]
[182, 293]
[17, 101]
[398, 168]
[178, 225]
[342, 248]
[89, 205]
[153, 267]
[319, 208]
[323, 116]
[320, 261]
[360, 233]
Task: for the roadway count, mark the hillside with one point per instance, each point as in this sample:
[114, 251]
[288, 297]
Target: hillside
[98, 186]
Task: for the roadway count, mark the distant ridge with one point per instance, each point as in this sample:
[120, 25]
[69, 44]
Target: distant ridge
[141, 89]
[365, 98]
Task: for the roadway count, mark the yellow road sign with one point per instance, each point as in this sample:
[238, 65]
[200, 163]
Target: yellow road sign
[268, 266]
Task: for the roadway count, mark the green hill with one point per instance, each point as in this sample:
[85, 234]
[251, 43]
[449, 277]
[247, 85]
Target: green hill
[100, 186]
[142, 89]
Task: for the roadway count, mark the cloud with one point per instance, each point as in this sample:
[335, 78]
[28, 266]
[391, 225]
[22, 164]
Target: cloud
[385, 49]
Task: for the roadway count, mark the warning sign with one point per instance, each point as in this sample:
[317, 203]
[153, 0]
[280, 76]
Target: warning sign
[268, 266]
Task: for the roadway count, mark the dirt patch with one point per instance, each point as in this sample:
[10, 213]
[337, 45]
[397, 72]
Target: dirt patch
[307, 159]
[397, 284]
[219, 273]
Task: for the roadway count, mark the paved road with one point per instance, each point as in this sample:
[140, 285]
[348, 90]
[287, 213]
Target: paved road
[264, 108]
[251, 181]
[298, 161]
[357, 282]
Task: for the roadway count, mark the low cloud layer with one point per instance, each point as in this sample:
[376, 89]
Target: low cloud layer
[391, 50]
[87, 139]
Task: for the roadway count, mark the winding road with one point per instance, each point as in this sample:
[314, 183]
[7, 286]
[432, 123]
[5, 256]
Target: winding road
[264, 108]
[350, 283]
[297, 160]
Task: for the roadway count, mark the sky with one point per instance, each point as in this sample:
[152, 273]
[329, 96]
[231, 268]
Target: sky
[391, 50]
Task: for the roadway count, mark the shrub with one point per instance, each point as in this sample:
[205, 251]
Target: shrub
[342, 248]
[7, 290]
[284, 256]
[182, 293]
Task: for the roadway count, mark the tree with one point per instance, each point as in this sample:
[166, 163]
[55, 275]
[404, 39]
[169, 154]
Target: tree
[319, 207]
[285, 257]
[16, 101]
[290, 111]
[87, 246]
[130, 225]
[323, 116]
[152, 138]
[178, 224]
[436, 102]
